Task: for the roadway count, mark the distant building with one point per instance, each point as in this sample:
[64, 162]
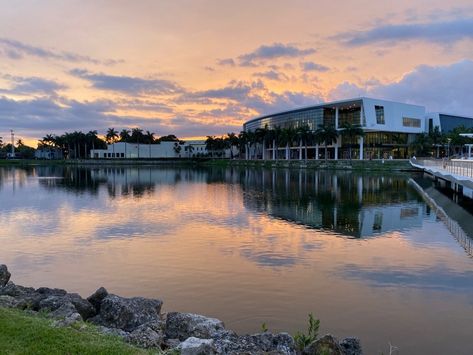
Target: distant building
[48, 153]
[389, 128]
[123, 150]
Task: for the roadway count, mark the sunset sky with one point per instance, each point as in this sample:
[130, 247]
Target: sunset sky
[197, 68]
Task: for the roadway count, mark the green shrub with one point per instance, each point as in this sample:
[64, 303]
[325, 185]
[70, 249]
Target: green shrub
[301, 339]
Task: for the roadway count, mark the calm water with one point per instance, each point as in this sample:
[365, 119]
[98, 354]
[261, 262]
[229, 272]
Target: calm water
[364, 253]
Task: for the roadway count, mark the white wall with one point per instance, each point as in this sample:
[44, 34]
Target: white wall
[393, 114]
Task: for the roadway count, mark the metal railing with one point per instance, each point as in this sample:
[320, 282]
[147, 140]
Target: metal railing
[456, 167]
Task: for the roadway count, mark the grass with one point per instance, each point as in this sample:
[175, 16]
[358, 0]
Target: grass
[22, 333]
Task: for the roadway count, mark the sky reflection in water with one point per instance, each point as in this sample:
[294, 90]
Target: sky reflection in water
[362, 252]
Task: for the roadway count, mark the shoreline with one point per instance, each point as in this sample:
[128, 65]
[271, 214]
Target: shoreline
[140, 322]
[351, 165]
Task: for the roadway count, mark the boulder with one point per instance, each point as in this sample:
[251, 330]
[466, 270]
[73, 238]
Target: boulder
[263, 343]
[10, 289]
[127, 313]
[351, 346]
[196, 346]
[63, 311]
[46, 291]
[184, 325]
[81, 306]
[8, 301]
[327, 345]
[97, 297]
[4, 275]
[149, 335]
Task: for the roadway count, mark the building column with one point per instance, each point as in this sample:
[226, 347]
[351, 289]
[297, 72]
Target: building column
[246, 151]
[316, 152]
[336, 149]
[287, 151]
[361, 148]
[300, 149]
[274, 149]
[361, 114]
[336, 117]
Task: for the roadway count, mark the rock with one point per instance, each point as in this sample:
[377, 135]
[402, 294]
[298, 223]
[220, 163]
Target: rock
[184, 325]
[81, 306]
[84, 307]
[351, 346]
[113, 331]
[46, 291]
[149, 335]
[327, 345]
[4, 275]
[127, 313]
[196, 346]
[262, 343]
[97, 297]
[68, 321]
[170, 343]
[65, 310]
[8, 301]
[10, 289]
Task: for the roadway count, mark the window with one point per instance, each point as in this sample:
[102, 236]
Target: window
[122, 155]
[410, 122]
[379, 114]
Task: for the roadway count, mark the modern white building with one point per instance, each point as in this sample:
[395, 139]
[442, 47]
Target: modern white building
[389, 128]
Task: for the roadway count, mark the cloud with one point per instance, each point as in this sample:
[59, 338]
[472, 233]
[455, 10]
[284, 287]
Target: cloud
[17, 50]
[128, 84]
[31, 85]
[227, 61]
[273, 51]
[440, 32]
[445, 88]
[312, 66]
[271, 75]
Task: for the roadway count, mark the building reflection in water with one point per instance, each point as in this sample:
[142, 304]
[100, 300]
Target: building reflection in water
[351, 204]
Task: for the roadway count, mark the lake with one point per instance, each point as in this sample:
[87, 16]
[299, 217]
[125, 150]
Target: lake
[363, 252]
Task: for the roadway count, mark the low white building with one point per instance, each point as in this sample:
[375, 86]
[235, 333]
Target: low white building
[123, 150]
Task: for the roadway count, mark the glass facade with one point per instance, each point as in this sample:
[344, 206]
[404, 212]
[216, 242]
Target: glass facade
[349, 115]
[379, 114]
[449, 122]
[314, 117]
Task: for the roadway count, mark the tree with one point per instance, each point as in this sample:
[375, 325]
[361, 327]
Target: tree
[111, 137]
[351, 132]
[306, 136]
[326, 135]
[287, 137]
[124, 135]
[232, 141]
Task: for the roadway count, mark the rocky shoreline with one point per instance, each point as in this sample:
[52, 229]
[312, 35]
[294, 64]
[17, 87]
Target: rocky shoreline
[139, 321]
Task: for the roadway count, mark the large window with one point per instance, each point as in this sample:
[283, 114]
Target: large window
[379, 114]
[410, 122]
[349, 115]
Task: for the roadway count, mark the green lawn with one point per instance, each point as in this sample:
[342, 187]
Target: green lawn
[21, 333]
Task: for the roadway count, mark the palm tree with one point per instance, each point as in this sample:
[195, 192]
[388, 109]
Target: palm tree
[260, 138]
[111, 137]
[233, 141]
[304, 134]
[326, 135]
[137, 137]
[247, 138]
[352, 132]
[287, 137]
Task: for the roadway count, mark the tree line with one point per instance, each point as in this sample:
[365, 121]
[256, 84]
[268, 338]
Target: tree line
[285, 137]
[77, 144]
